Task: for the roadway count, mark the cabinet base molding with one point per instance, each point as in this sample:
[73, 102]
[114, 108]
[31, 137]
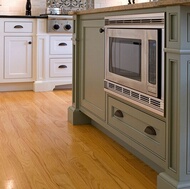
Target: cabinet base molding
[76, 117]
[40, 86]
[16, 86]
[164, 181]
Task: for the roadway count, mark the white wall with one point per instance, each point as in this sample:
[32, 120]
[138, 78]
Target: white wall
[17, 7]
[109, 3]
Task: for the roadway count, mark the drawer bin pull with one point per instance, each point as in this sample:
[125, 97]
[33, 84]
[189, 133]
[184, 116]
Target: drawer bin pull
[62, 66]
[18, 26]
[150, 130]
[119, 113]
[62, 44]
[30, 42]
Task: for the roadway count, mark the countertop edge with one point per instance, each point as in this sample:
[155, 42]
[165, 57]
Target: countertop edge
[157, 4]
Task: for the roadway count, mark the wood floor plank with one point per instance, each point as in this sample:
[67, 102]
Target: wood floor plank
[39, 149]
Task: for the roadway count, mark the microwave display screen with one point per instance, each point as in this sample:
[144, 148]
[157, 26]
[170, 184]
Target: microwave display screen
[125, 57]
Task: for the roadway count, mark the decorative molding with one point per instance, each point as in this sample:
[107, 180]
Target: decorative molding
[188, 119]
[173, 115]
[188, 27]
[177, 51]
[173, 27]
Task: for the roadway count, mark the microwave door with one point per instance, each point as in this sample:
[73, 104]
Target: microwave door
[125, 58]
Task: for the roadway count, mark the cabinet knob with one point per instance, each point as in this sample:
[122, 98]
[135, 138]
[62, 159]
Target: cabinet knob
[62, 66]
[62, 44]
[119, 113]
[18, 26]
[30, 42]
[150, 130]
[101, 30]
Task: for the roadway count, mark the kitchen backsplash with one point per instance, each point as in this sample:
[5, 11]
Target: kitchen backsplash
[71, 4]
[17, 7]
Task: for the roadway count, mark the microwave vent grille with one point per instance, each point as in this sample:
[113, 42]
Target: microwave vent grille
[140, 98]
[135, 21]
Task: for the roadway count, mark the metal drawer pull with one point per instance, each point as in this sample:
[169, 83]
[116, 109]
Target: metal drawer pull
[150, 130]
[18, 26]
[119, 113]
[30, 42]
[62, 44]
[62, 66]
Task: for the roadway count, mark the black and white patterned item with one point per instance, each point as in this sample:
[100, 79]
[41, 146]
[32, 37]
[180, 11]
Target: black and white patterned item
[70, 5]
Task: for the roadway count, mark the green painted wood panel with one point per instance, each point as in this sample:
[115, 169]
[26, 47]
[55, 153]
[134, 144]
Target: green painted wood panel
[92, 95]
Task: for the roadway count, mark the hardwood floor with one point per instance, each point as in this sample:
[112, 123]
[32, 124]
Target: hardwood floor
[39, 149]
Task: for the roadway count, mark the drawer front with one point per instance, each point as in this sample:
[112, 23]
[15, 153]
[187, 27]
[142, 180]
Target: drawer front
[61, 45]
[60, 68]
[136, 125]
[18, 27]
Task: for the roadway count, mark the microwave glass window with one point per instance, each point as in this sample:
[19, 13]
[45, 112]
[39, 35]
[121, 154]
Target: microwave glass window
[152, 62]
[125, 57]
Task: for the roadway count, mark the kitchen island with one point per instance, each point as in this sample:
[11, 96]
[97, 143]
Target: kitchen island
[169, 151]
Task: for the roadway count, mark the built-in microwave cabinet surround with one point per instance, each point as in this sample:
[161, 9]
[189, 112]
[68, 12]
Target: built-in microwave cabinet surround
[134, 62]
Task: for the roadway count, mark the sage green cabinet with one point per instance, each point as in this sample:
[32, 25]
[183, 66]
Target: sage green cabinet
[91, 47]
[166, 143]
[139, 129]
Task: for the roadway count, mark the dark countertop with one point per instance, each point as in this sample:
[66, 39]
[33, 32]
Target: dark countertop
[23, 16]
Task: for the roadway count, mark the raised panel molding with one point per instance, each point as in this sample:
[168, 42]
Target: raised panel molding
[188, 119]
[188, 27]
[172, 89]
[173, 27]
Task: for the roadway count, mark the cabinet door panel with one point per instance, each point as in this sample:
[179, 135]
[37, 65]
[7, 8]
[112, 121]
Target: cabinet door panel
[18, 27]
[61, 45]
[18, 57]
[92, 66]
[136, 127]
[60, 68]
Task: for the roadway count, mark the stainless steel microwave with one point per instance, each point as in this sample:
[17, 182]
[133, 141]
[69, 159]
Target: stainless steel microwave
[134, 55]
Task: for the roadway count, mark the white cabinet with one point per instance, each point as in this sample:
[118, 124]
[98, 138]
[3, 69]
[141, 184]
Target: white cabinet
[18, 57]
[31, 58]
[17, 62]
[18, 26]
[60, 58]
[54, 59]
[60, 68]
[61, 45]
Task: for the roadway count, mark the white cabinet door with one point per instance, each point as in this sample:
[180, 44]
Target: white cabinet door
[18, 57]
